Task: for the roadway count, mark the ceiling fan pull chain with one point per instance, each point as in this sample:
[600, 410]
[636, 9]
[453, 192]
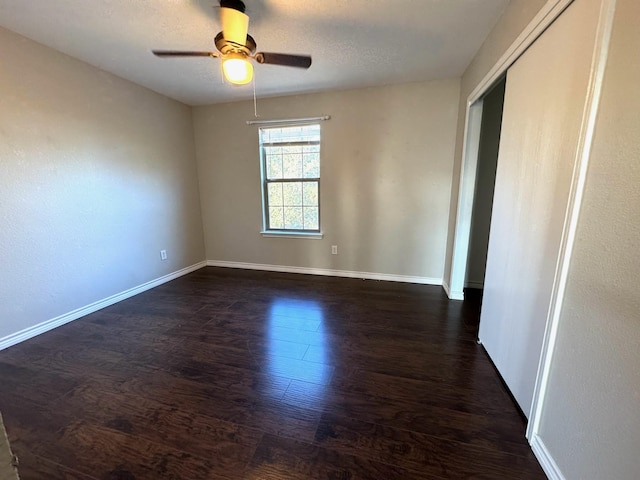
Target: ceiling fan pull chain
[255, 102]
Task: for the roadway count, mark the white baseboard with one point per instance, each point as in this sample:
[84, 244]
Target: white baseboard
[326, 272]
[472, 284]
[27, 333]
[456, 295]
[450, 294]
[446, 288]
[545, 459]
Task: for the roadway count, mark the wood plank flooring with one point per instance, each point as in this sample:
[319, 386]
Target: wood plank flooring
[231, 374]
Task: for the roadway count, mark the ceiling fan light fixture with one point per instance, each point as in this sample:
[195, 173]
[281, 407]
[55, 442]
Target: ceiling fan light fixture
[237, 69]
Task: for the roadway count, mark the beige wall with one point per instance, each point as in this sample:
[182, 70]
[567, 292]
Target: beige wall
[591, 417]
[516, 17]
[386, 168]
[97, 175]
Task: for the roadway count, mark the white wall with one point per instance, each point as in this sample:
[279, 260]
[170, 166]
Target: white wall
[97, 175]
[386, 166]
[591, 416]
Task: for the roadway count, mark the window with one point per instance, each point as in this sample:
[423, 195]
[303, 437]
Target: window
[290, 162]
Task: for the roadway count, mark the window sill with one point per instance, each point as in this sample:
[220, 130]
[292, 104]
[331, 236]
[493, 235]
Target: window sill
[307, 235]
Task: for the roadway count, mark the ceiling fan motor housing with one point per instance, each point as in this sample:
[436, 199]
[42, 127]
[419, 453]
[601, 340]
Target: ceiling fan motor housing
[224, 46]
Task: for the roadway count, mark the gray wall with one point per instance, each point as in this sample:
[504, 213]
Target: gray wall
[591, 416]
[386, 166]
[97, 174]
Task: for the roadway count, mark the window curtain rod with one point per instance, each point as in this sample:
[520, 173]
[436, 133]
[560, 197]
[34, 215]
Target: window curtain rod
[288, 120]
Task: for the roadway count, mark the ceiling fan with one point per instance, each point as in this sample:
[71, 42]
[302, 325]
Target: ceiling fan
[236, 47]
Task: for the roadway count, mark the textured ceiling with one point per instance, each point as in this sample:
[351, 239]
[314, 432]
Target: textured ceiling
[354, 43]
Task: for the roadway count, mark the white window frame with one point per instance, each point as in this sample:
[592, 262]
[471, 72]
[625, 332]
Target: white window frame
[287, 232]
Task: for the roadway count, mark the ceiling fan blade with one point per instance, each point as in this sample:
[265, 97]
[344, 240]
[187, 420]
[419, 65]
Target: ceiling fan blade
[299, 61]
[183, 53]
[235, 24]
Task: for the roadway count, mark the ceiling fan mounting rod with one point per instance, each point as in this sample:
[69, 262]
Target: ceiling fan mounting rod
[234, 4]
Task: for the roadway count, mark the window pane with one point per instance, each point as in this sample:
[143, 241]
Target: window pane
[273, 150]
[310, 194]
[311, 165]
[292, 149]
[305, 133]
[292, 194]
[274, 191]
[274, 167]
[311, 218]
[292, 164]
[265, 135]
[276, 217]
[293, 218]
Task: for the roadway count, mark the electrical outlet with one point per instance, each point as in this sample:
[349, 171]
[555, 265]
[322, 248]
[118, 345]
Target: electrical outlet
[163, 254]
[334, 249]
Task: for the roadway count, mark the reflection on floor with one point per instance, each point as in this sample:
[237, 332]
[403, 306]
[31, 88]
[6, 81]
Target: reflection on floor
[237, 374]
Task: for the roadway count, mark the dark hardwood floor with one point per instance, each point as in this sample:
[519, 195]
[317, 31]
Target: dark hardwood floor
[236, 374]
